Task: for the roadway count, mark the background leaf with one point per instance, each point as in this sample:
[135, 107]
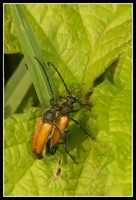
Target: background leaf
[19, 81]
[114, 123]
[83, 41]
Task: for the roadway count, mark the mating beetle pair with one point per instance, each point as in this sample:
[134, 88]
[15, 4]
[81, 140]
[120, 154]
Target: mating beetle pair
[51, 127]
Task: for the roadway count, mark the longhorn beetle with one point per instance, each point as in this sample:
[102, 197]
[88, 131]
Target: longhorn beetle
[55, 128]
[46, 124]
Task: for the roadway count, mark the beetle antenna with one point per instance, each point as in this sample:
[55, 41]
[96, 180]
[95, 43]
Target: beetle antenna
[53, 97]
[50, 64]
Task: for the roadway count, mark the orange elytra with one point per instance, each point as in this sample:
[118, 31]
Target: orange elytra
[41, 134]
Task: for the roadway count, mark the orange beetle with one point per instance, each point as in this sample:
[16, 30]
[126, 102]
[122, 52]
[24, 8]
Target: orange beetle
[53, 125]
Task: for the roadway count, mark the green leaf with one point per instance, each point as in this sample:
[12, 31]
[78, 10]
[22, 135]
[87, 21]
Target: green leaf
[114, 111]
[82, 41]
[16, 88]
[82, 50]
[30, 49]
[123, 75]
